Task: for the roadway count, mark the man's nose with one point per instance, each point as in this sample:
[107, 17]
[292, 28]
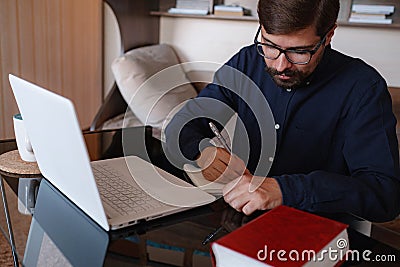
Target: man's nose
[281, 63]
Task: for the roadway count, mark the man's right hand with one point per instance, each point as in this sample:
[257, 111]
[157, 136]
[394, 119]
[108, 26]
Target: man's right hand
[219, 165]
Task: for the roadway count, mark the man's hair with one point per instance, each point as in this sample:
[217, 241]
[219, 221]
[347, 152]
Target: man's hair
[287, 16]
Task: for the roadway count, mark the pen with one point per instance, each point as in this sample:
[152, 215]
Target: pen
[220, 138]
[211, 235]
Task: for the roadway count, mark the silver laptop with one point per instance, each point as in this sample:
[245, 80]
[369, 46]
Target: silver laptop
[115, 193]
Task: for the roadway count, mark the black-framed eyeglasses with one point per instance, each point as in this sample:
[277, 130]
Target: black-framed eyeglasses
[295, 56]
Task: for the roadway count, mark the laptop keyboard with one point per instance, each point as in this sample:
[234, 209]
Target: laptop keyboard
[125, 198]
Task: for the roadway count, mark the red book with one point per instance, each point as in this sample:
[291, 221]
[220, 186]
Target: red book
[283, 236]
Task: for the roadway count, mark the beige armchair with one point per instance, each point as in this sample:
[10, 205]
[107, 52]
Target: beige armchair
[141, 58]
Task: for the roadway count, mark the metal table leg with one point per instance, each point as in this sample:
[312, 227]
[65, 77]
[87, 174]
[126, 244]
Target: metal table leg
[8, 220]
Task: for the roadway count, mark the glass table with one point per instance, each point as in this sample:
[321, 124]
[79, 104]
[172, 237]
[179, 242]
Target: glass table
[60, 234]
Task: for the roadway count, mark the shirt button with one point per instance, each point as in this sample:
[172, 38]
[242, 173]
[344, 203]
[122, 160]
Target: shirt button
[288, 90]
[277, 126]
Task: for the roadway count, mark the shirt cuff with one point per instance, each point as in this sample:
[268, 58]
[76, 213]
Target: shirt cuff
[293, 193]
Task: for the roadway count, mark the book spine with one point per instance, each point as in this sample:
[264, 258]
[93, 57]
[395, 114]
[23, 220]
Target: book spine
[367, 16]
[373, 21]
[193, 4]
[373, 9]
[228, 8]
[188, 11]
[228, 13]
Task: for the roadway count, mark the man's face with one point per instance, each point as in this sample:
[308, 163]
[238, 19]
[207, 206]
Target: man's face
[285, 73]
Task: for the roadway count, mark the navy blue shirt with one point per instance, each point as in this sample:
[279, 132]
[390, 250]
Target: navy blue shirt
[336, 145]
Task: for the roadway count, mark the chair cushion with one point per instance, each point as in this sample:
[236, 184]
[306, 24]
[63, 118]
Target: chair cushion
[152, 82]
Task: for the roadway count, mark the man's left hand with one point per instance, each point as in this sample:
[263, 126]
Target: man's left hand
[240, 196]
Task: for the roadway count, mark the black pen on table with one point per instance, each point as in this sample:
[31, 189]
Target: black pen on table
[211, 235]
[223, 142]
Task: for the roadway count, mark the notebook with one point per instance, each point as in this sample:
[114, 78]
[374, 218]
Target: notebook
[196, 176]
[53, 129]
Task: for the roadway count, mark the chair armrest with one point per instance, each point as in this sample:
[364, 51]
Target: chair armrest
[113, 105]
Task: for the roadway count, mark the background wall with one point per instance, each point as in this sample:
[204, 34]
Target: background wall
[377, 46]
[56, 44]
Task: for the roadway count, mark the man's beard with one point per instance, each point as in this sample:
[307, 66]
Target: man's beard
[296, 77]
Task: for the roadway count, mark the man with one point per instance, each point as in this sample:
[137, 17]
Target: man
[336, 145]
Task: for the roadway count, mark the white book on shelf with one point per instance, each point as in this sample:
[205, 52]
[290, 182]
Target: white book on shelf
[372, 21]
[231, 8]
[188, 11]
[373, 9]
[356, 15]
[195, 4]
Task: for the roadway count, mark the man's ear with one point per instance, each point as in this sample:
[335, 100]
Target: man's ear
[330, 34]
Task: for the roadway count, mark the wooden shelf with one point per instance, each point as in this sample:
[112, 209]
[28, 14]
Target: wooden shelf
[344, 14]
[166, 14]
[370, 25]
[253, 18]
